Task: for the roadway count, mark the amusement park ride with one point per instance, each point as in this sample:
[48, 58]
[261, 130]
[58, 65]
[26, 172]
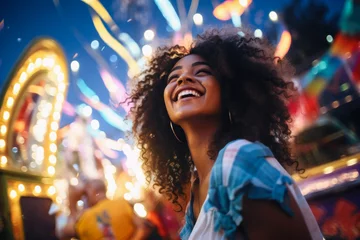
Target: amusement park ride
[31, 104]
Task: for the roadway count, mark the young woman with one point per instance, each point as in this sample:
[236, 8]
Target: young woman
[207, 113]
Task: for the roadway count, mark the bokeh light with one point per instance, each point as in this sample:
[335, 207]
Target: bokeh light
[95, 124]
[74, 66]
[198, 19]
[147, 50]
[149, 35]
[273, 16]
[113, 58]
[329, 38]
[258, 33]
[95, 44]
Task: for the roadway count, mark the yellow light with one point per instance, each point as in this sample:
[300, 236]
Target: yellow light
[38, 62]
[198, 19]
[61, 87]
[243, 3]
[51, 190]
[273, 16]
[37, 189]
[16, 88]
[21, 187]
[60, 97]
[60, 77]
[3, 130]
[127, 196]
[352, 162]
[23, 77]
[3, 160]
[52, 159]
[140, 210]
[54, 126]
[53, 136]
[328, 170]
[13, 194]
[48, 62]
[129, 185]
[10, 102]
[51, 170]
[57, 69]
[2, 143]
[53, 147]
[6, 115]
[31, 67]
[56, 115]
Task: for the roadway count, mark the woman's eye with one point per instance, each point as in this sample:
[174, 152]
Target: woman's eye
[172, 78]
[203, 72]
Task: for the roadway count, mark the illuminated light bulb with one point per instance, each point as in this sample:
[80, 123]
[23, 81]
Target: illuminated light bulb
[54, 126]
[348, 98]
[273, 16]
[16, 88]
[30, 68]
[74, 181]
[127, 196]
[335, 104]
[95, 44]
[60, 76]
[328, 170]
[51, 170]
[57, 69]
[147, 50]
[129, 185]
[95, 124]
[2, 143]
[352, 162]
[74, 66]
[23, 77]
[52, 159]
[243, 3]
[37, 189]
[198, 19]
[38, 62]
[48, 62]
[56, 115]
[149, 35]
[140, 210]
[53, 136]
[21, 187]
[53, 147]
[258, 33]
[3, 129]
[6, 115]
[51, 190]
[61, 87]
[10, 102]
[329, 38]
[3, 160]
[13, 194]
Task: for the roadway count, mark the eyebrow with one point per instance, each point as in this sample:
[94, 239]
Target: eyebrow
[193, 65]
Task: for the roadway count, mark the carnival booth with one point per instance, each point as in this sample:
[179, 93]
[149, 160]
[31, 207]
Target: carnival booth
[327, 141]
[31, 101]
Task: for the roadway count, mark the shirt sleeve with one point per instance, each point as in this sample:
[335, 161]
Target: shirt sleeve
[242, 169]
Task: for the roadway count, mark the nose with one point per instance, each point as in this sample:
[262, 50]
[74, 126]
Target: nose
[184, 78]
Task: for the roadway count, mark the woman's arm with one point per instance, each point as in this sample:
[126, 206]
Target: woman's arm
[264, 219]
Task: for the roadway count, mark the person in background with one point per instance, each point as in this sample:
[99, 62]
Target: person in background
[106, 219]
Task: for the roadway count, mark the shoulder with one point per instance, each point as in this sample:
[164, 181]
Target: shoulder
[241, 157]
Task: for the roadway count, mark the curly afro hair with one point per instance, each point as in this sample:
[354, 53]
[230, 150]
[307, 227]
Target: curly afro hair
[253, 88]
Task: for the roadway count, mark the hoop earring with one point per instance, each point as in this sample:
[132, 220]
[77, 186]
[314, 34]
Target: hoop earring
[230, 118]
[172, 129]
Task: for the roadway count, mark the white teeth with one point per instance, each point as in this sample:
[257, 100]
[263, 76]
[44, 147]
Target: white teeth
[187, 92]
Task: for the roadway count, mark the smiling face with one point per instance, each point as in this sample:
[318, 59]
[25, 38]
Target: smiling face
[192, 91]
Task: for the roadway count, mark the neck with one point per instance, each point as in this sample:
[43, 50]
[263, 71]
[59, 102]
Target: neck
[199, 135]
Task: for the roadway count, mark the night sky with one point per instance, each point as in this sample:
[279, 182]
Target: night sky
[25, 20]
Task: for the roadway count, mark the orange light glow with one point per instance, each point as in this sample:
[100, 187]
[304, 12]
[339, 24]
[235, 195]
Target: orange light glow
[224, 11]
[283, 45]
